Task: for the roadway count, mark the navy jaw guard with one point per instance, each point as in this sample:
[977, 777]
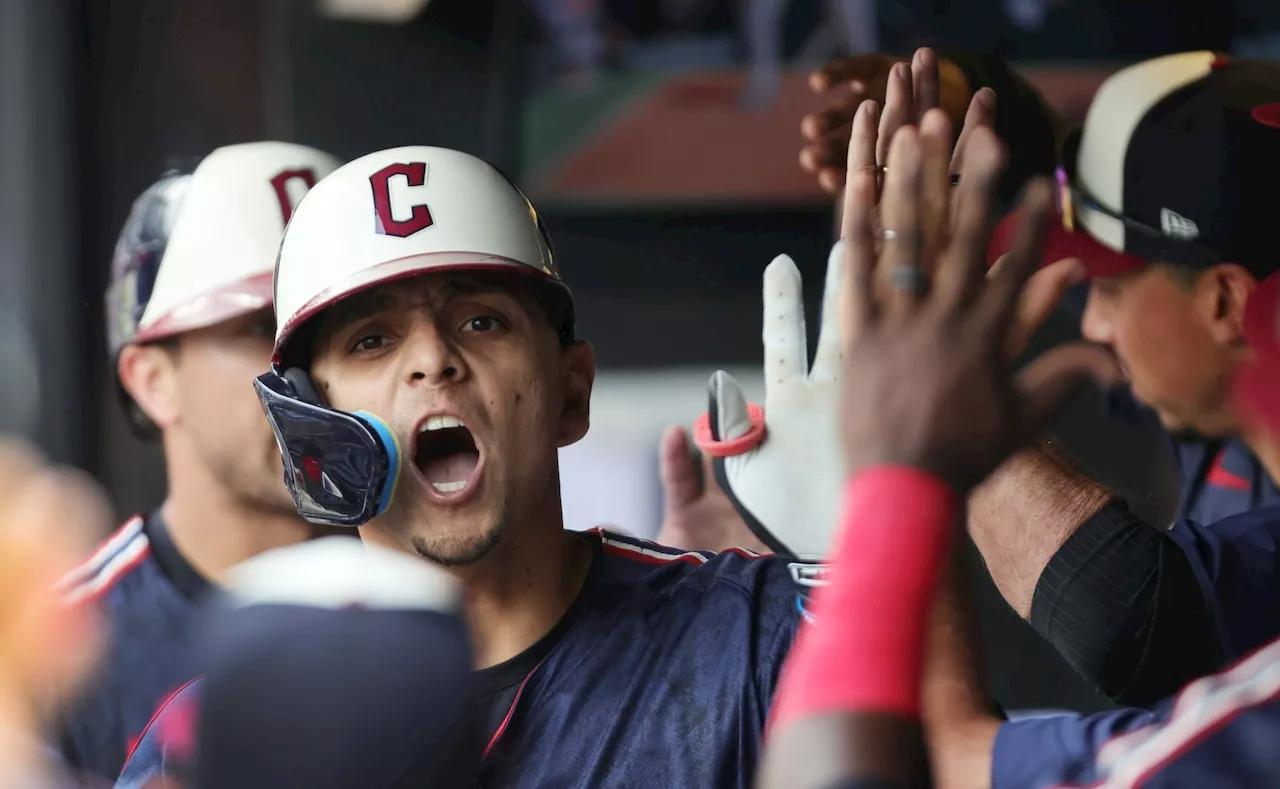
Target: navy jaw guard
[340, 468]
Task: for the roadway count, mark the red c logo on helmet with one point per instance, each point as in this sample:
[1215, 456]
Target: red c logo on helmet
[415, 173]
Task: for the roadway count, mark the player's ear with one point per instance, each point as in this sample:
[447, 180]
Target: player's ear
[149, 375]
[1228, 288]
[577, 375]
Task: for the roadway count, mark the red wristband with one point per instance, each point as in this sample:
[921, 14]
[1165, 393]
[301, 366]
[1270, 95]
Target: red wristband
[865, 650]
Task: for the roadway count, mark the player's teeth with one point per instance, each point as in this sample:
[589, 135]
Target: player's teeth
[449, 487]
[440, 422]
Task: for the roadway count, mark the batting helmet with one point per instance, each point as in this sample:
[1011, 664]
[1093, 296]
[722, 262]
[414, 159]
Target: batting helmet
[199, 246]
[384, 216]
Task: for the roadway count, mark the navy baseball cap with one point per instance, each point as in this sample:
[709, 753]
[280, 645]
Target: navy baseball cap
[1178, 161]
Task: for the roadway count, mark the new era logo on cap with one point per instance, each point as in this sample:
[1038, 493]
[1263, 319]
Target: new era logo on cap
[1176, 225]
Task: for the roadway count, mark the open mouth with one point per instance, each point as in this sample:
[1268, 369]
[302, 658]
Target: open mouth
[446, 454]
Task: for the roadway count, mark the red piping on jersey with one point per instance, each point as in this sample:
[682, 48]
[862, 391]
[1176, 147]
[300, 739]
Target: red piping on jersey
[133, 746]
[1222, 478]
[502, 727]
[120, 572]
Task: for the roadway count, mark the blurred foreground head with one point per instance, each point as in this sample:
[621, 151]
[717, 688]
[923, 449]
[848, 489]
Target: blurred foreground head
[328, 664]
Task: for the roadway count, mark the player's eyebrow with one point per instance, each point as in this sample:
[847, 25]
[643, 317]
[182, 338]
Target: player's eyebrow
[359, 307]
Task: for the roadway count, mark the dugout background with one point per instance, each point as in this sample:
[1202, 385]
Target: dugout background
[97, 97]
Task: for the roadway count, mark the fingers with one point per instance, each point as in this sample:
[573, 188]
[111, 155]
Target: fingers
[925, 80]
[1040, 297]
[856, 299]
[681, 482]
[862, 139]
[826, 360]
[856, 71]
[1050, 382]
[899, 108]
[935, 145]
[981, 112]
[785, 352]
[826, 123]
[900, 214]
[1024, 256]
[963, 265]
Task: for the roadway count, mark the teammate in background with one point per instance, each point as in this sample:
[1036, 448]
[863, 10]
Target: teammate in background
[189, 326]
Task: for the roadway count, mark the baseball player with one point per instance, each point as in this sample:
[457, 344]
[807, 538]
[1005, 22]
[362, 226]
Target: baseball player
[426, 372]
[189, 325]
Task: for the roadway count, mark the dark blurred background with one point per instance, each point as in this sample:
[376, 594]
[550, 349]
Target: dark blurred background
[100, 96]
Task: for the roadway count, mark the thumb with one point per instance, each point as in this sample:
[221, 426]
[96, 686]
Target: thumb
[681, 481]
[1053, 379]
[1040, 296]
[730, 417]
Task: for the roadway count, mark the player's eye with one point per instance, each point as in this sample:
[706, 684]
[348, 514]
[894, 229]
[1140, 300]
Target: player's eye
[368, 343]
[481, 323]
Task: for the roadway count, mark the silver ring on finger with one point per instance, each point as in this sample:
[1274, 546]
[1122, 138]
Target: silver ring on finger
[888, 235]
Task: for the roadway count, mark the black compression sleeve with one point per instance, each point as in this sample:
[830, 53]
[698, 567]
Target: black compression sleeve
[1024, 122]
[1119, 601]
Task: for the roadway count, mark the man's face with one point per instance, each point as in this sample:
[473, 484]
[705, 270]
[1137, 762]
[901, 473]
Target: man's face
[469, 373]
[1172, 335]
[215, 368]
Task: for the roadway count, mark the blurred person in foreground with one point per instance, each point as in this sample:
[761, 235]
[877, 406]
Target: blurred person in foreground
[48, 518]
[189, 326]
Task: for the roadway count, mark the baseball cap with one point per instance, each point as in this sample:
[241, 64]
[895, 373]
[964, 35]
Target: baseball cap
[1177, 161]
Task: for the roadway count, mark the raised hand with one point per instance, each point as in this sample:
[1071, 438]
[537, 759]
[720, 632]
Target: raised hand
[905, 90]
[928, 382]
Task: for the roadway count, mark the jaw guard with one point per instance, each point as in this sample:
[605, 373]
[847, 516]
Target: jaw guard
[340, 468]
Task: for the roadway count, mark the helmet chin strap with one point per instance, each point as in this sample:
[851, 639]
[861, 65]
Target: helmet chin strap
[340, 468]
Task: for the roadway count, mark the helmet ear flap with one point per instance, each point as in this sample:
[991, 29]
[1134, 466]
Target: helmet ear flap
[303, 387]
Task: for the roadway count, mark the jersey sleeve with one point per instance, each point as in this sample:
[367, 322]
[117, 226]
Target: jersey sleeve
[1220, 732]
[1056, 750]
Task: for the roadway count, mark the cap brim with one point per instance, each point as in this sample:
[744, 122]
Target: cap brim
[399, 269]
[1257, 385]
[222, 304]
[1099, 260]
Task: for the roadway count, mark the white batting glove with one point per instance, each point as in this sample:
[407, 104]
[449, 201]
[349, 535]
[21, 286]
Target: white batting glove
[782, 466]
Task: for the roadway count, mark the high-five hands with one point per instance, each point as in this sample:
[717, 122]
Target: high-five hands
[927, 379]
[905, 90]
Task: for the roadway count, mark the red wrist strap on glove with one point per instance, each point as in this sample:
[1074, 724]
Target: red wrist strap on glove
[865, 651]
[723, 449]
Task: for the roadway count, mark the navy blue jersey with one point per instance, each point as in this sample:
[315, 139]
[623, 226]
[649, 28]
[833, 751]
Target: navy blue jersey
[1221, 731]
[660, 674]
[149, 596]
[1218, 479]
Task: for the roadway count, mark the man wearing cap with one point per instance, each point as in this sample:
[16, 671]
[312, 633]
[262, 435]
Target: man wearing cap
[189, 326]
[1061, 547]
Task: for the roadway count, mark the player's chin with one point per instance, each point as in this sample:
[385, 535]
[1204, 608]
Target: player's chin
[457, 544]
